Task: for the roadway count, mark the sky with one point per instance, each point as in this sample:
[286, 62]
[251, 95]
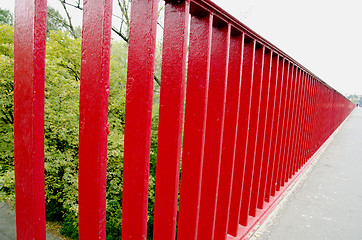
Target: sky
[322, 35]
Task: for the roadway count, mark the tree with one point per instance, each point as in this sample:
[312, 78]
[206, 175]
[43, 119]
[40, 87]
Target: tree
[56, 22]
[62, 74]
[6, 17]
[353, 98]
[6, 113]
[121, 28]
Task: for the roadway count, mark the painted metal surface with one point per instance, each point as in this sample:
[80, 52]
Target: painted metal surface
[229, 136]
[195, 125]
[93, 118]
[281, 129]
[257, 84]
[242, 134]
[29, 62]
[267, 163]
[214, 130]
[138, 116]
[171, 119]
[274, 136]
[260, 162]
[254, 120]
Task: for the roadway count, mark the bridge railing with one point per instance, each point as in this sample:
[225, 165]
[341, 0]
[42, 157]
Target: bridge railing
[253, 120]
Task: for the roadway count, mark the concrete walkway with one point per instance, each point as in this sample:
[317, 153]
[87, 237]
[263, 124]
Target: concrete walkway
[326, 203]
[8, 226]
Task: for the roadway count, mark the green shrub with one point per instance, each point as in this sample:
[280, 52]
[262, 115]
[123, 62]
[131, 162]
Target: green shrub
[62, 74]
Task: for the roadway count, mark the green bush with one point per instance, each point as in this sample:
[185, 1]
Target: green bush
[62, 74]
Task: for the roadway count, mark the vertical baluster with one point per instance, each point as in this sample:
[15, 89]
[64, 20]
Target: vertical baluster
[171, 118]
[195, 122]
[277, 120]
[312, 122]
[214, 128]
[260, 163]
[309, 130]
[296, 124]
[141, 58]
[282, 123]
[287, 135]
[229, 136]
[29, 62]
[272, 119]
[242, 134]
[93, 118]
[282, 130]
[303, 133]
[253, 133]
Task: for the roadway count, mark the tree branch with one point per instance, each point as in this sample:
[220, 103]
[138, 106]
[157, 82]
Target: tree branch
[75, 73]
[157, 80]
[120, 34]
[69, 18]
[124, 9]
[75, 6]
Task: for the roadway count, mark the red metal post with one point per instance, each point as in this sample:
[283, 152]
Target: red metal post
[195, 123]
[269, 128]
[229, 136]
[305, 107]
[288, 75]
[261, 163]
[93, 118]
[306, 134]
[242, 134]
[141, 57]
[289, 119]
[171, 119]
[29, 63]
[295, 126]
[282, 120]
[214, 130]
[311, 122]
[253, 133]
[277, 120]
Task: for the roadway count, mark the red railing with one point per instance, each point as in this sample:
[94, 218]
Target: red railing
[254, 118]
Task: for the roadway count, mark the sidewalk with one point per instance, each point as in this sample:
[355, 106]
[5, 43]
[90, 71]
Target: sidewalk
[326, 203]
[7, 224]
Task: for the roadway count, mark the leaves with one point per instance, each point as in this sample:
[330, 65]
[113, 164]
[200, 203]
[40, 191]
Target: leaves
[6, 17]
[62, 74]
[6, 105]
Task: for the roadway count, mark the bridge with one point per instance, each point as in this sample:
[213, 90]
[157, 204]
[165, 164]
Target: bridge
[254, 121]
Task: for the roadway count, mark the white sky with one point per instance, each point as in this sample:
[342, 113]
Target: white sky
[322, 35]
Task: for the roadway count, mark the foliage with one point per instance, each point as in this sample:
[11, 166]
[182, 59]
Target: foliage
[61, 130]
[62, 73]
[6, 17]
[56, 22]
[6, 112]
[356, 99]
